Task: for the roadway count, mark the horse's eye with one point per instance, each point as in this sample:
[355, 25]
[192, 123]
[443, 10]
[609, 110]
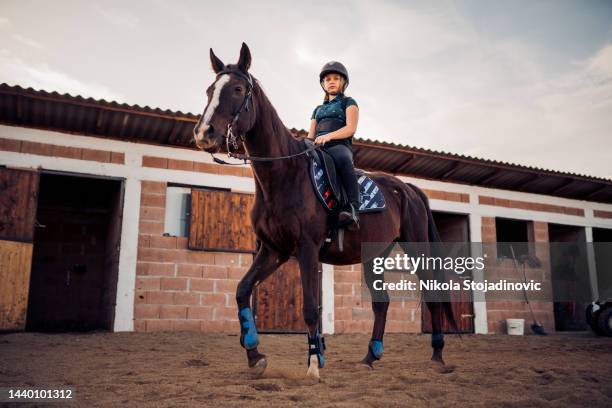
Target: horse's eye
[238, 89]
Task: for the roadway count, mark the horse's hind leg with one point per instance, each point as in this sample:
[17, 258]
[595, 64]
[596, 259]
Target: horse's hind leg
[266, 261]
[421, 230]
[437, 335]
[380, 305]
[308, 258]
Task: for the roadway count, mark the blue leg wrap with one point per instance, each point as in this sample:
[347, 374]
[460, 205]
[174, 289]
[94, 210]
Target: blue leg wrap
[437, 340]
[316, 346]
[376, 348]
[248, 331]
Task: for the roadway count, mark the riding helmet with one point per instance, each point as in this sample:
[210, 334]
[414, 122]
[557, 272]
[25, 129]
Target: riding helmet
[335, 67]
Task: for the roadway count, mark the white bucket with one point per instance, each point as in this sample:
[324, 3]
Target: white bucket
[516, 327]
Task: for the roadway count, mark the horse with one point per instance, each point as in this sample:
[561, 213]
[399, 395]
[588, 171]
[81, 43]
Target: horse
[287, 218]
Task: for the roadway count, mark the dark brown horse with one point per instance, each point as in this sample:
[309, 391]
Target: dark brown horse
[289, 220]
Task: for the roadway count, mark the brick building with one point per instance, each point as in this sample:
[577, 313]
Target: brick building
[99, 229]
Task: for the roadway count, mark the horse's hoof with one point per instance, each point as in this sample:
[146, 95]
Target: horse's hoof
[441, 368]
[313, 368]
[436, 357]
[259, 367]
[367, 363]
[437, 360]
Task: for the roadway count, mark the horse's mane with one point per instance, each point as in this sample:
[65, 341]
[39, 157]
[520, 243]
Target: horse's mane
[267, 110]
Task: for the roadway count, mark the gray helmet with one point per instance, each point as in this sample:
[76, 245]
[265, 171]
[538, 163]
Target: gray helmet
[335, 67]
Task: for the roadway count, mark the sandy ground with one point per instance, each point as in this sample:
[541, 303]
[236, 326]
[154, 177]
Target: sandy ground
[191, 369]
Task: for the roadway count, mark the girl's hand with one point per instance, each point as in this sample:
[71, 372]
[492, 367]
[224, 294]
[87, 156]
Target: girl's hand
[322, 139]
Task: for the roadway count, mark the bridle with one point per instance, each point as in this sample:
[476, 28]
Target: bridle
[230, 137]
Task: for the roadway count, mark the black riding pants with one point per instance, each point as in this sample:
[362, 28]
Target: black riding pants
[343, 159]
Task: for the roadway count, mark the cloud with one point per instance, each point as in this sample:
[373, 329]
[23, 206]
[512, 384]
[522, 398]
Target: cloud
[43, 77]
[27, 41]
[512, 110]
[120, 19]
[601, 62]
[393, 30]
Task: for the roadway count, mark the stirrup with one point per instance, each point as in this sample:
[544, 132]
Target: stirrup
[316, 347]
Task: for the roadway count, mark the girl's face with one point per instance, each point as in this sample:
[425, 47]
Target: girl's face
[333, 83]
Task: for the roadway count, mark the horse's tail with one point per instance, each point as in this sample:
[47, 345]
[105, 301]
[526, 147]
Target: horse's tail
[434, 236]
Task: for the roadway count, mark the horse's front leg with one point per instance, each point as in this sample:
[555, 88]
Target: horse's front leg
[266, 261]
[308, 258]
[380, 305]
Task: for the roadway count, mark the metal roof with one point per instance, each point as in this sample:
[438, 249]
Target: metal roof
[88, 116]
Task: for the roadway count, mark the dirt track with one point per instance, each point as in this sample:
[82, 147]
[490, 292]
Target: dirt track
[190, 369]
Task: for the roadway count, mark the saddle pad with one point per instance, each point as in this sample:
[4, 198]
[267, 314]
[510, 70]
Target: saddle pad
[370, 196]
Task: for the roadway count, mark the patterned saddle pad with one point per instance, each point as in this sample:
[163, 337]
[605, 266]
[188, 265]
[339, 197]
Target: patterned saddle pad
[330, 192]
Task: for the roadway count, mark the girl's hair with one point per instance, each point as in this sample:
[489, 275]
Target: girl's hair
[326, 97]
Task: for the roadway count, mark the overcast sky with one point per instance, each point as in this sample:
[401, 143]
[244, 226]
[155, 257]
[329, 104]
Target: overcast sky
[528, 82]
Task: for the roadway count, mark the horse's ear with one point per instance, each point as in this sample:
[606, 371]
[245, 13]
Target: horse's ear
[216, 63]
[244, 63]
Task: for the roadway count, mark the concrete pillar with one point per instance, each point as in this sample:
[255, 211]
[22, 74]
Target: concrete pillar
[591, 262]
[480, 305]
[126, 281]
[327, 299]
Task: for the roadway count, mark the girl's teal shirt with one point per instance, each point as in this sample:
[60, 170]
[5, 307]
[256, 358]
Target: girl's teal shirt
[334, 110]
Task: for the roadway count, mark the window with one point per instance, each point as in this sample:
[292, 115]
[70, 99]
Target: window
[220, 221]
[511, 233]
[178, 208]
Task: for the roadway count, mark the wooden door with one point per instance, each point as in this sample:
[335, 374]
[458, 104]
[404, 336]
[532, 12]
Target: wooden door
[75, 258]
[278, 301]
[454, 228]
[18, 200]
[462, 312]
[220, 221]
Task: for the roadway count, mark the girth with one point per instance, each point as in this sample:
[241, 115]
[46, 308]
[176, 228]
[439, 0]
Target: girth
[327, 125]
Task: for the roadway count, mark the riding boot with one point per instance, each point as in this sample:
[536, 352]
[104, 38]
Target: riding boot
[349, 216]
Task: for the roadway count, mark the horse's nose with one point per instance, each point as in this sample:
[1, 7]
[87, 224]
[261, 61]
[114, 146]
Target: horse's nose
[201, 131]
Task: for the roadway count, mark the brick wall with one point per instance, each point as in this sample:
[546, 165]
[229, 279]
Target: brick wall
[354, 315]
[446, 195]
[68, 152]
[187, 165]
[526, 205]
[180, 289]
[602, 214]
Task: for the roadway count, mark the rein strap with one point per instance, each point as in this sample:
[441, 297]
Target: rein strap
[261, 159]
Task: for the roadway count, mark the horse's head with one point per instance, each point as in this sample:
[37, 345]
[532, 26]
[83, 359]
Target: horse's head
[230, 103]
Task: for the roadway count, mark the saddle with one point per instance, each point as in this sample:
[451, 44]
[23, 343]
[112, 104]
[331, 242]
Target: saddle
[328, 188]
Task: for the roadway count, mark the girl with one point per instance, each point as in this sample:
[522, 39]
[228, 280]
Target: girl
[333, 125]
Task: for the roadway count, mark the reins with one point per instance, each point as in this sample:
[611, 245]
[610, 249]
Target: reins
[261, 159]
